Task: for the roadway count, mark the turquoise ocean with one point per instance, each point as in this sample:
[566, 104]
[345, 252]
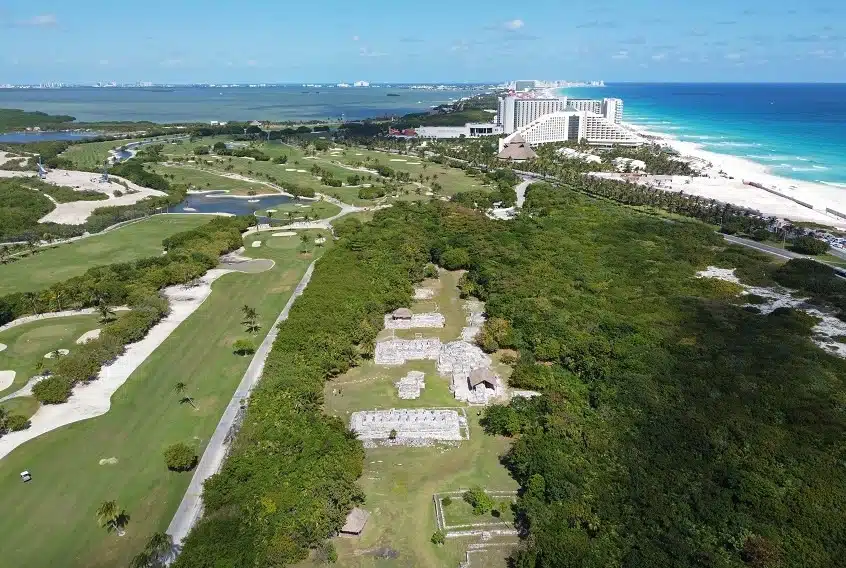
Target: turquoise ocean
[797, 131]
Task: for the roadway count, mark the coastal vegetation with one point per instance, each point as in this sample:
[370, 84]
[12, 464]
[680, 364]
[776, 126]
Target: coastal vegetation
[16, 119]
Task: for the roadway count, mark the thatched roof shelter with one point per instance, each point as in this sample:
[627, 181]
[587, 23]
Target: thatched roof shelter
[483, 376]
[517, 150]
[355, 522]
[402, 314]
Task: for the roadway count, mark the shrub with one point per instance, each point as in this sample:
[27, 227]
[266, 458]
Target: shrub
[392, 435]
[479, 500]
[431, 271]
[446, 501]
[332, 182]
[438, 537]
[180, 457]
[52, 390]
[455, 259]
[760, 234]
[244, 347]
[326, 553]
[16, 422]
[809, 245]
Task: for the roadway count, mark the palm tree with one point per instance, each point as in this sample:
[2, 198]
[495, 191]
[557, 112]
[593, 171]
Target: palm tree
[184, 398]
[106, 313]
[250, 321]
[56, 296]
[158, 552]
[112, 518]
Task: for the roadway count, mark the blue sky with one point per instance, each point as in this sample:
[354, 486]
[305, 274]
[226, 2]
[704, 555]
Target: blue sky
[436, 40]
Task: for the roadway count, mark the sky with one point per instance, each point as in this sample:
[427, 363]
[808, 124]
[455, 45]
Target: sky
[278, 41]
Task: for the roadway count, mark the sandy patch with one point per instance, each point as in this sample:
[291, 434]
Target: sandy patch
[94, 399]
[252, 201]
[827, 329]
[108, 461]
[302, 171]
[52, 354]
[398, 160]
[77, 212]
[3, 346]
[272, 210]
[26, 390]
[88, 336]
[6, 379]
[285, 234]
[359, 154]
[303, 206]
[189, 209]
[256, 244]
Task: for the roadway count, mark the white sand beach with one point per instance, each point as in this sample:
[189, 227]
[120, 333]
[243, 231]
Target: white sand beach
[718, 170]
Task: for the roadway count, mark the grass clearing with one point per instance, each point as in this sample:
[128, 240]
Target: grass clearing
[58, 263]
[51, 521]
[91, 155]
[291, 211]
[197, 179]
[400, 481]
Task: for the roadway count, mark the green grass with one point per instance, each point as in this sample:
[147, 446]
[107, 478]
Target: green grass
[55, 264]
[321, 209]
[400, 482]
[460, 513]
[341, 166]
[28, 343]
[91, 155]
[51, 521]
[202, 180]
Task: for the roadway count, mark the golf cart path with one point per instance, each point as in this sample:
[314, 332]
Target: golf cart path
[191, 507]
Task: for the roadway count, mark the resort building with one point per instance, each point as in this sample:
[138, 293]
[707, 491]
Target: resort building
[469, 130]
[573, 126]
[516, 111]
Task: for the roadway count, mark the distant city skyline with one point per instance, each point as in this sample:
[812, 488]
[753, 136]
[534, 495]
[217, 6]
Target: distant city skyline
[471, 42]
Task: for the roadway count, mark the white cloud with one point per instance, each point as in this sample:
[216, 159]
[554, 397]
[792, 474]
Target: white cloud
[659, 57]
[355, 38]
[622, 54]
[514, 25]
[42, 20]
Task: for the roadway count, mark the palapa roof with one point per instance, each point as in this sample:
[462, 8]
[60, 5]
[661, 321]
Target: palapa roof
[483, 375]
[355, 521]
[517, 150]
[402, 313]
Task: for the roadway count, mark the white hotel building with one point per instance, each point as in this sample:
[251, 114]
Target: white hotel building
[541, 121]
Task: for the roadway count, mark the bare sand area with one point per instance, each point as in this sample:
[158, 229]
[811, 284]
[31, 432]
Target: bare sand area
[77, 212]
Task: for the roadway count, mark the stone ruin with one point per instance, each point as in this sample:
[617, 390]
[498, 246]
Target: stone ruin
[399, 351]
[432, 319]
[423, 293]
[408, 387]
[409, 425]
[475, 319]
[458, 360]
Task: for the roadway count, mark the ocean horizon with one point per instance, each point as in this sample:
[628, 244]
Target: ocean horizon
[795, 130]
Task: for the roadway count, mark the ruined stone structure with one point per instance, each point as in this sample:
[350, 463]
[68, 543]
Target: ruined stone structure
[432, 319]
[413, 424]
[409, 386]
[459, 360]
[475, 319]
[399, 351]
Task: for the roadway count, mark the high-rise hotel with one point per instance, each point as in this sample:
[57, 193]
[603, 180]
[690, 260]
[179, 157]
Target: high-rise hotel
[559, 119]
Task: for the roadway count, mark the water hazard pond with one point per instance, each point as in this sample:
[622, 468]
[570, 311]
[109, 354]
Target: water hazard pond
[219, 202]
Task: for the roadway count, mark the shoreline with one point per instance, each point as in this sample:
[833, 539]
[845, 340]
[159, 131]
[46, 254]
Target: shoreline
[774, 195]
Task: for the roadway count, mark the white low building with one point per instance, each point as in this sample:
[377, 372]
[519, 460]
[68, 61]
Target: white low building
[629, 165]
[469, 130]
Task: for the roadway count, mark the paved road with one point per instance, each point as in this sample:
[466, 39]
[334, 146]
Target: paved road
[761, 247]
[191, 507]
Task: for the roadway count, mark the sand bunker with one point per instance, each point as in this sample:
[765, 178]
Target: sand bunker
[398, 160]
[62, 352]
[108, 461]
[189, 209]
[6, 379]
[26, 390]
[302, 171]
[3, 346]
[88, 336]
[256, 244]
[272, 210]
[252, 201]
[285, 234]
[94, 398]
